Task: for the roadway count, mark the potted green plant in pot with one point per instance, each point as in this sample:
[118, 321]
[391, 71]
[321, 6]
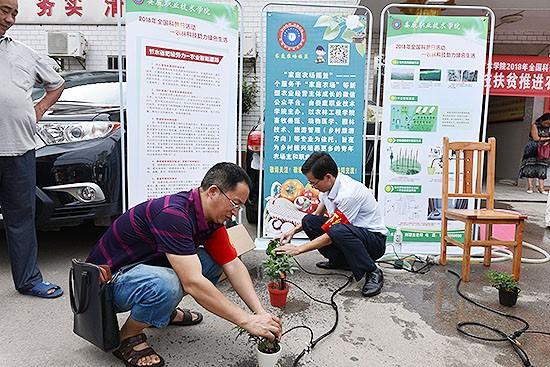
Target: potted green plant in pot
[277, 267]
[268, 352]
[507, 286]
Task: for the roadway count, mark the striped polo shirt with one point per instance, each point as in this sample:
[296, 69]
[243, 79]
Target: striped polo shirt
[173, 224]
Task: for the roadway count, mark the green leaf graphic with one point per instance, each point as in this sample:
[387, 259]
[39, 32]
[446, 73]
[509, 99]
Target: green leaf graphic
[348, 35]
[324, 21]
[361, 48]
[331, 33]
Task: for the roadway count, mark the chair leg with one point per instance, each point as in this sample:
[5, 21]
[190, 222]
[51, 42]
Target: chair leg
[466, 252]
[487, 252]
[516, 262]
[443, 249]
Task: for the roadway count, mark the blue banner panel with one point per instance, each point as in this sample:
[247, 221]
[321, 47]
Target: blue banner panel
[315, 86]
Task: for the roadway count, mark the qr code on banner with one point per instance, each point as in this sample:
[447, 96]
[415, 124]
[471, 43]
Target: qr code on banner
[338, 53]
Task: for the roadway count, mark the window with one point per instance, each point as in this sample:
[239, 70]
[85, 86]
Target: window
[112, 62]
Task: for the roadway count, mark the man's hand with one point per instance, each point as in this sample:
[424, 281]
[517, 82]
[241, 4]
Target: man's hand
[39, 112]
[287, 236]
[265, 325]
[289, 249]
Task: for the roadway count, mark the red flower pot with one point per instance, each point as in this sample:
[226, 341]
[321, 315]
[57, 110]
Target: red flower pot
[277, 297]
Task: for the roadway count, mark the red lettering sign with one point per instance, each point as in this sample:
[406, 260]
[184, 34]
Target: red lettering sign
[73, 7]
[112, 7]
[527, 76]
[46, 7]
[170, 53]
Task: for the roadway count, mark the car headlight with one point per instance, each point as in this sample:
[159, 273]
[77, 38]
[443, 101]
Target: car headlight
[69, 132]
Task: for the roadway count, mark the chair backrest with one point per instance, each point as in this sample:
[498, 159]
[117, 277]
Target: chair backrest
[468, 162]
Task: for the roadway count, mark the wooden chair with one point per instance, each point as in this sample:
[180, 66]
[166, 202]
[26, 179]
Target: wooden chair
[468, 185]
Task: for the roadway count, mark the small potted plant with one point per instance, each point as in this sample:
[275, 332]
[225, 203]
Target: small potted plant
[507, 286]
[277, 267]
[268, 352]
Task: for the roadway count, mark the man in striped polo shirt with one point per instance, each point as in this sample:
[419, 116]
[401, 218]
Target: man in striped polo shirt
[185, 234]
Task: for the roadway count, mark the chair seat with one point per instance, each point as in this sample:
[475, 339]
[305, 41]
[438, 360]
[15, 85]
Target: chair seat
[484, 214]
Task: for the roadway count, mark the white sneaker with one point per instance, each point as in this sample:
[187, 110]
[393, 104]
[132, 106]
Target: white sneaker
[544, 192]
[529, 191]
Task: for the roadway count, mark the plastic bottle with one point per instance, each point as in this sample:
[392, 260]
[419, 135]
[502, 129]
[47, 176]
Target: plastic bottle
[398, 240]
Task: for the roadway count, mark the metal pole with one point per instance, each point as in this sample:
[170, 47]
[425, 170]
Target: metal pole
[122, 109]
[240, 95]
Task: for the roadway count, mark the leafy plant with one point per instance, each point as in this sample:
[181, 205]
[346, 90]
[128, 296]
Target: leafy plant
[501, 280]
[277, 266]
[264, 345]
[249, 94]
[351, 29]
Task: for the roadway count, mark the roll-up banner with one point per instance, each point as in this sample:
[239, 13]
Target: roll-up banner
[315, 92]
[182, 93]
[433, 87]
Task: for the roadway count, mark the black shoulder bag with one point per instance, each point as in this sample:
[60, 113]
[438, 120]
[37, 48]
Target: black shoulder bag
[91, 297]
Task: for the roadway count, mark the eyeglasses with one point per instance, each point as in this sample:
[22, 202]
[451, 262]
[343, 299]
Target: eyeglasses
[236, 206]
[316, 182]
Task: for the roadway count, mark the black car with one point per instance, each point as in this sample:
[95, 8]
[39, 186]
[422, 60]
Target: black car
[78, 157]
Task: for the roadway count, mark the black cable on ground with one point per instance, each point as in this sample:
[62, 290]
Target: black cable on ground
[398, 263]
[333, 304]
[511, 338]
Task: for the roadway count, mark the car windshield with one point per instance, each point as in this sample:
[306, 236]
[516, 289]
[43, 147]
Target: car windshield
[98, 93]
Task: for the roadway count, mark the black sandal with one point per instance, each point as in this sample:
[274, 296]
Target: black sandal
[130, 356]
[187, 317]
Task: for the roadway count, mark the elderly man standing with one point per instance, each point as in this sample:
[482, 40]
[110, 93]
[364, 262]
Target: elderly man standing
[20, 69]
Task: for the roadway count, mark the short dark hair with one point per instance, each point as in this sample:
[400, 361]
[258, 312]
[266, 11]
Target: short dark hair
[226, 176]
[544, 117]
[319, 164]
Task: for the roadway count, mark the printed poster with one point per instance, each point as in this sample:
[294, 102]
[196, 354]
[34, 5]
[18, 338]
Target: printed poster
[315, 78]
[182, 93]
[433, 87]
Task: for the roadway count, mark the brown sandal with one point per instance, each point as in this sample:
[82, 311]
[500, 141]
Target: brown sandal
[130, 356]
[187, 317]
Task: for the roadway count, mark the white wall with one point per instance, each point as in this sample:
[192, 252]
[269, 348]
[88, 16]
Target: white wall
[103, 42]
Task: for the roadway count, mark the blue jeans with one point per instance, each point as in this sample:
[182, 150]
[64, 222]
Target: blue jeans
[17, 199]
[152, 293]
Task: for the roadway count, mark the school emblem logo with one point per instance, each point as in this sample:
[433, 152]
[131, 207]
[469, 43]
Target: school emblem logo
[396, 24]
[292, 36]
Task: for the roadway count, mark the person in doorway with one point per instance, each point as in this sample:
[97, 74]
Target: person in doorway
[532, 167]
[20, 69]
[353, 236]
[171, 230]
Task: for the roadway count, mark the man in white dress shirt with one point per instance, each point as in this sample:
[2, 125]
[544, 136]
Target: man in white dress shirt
[353, 236]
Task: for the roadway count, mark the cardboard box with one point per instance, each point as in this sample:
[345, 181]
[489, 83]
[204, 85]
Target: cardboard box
[241, 240]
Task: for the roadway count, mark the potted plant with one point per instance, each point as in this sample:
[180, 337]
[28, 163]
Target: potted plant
[277, 267]
[267, 352]
[507, 286]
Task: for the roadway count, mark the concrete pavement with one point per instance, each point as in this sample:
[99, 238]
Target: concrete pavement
[411, 323]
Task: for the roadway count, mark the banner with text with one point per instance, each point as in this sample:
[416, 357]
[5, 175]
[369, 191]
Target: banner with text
[182, 93]
[433, 87]
[315, 81]
[516, 75]
[70, 11]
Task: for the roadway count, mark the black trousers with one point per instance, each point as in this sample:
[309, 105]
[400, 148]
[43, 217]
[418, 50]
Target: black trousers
[17, 199]
[353, 246]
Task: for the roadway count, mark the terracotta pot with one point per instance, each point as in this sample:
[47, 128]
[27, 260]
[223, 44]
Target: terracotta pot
[277, 297]
[268, 360]
[507, 298]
